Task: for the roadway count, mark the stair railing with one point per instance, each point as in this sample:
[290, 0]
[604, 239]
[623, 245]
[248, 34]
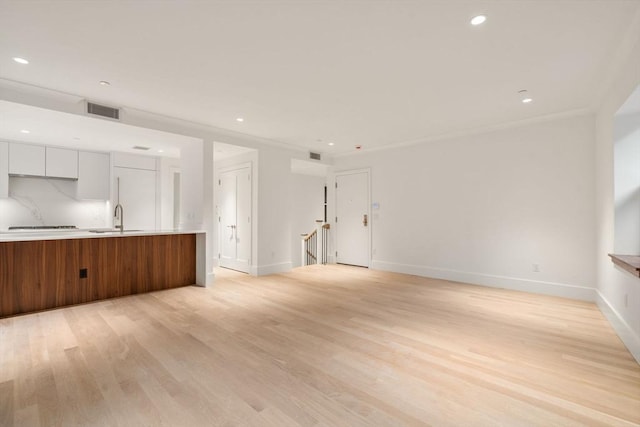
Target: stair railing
[325, 244]
[309, 248]
[315, 245]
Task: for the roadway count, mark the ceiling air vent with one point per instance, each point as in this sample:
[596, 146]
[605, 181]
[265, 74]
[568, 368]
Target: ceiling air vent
[314, 156]
[141, 147]
[103, 111]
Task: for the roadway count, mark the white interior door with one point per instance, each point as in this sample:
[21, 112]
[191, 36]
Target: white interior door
[137, 197]
[243, 218]
[234, 219]
[227, 219]
[352, 218]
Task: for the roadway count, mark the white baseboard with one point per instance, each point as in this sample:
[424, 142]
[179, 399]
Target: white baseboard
[624, 331]
[547, 288]
[210, 278]
[263, 270]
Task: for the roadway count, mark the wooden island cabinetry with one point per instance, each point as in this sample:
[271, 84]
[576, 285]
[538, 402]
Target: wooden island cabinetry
[43, 274]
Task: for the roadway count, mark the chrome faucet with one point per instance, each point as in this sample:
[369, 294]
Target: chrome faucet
[120, 209]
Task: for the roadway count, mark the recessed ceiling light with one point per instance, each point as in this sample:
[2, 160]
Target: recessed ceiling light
[524, 96]
[332, 144]
[20, 60]
[240, 119]
[477, 20]
[160, 151]
[104, 83]
[24, 131]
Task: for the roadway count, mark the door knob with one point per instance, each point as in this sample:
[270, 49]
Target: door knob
[365, 220]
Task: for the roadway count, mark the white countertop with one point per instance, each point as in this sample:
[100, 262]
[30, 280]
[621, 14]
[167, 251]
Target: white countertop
[22, 236]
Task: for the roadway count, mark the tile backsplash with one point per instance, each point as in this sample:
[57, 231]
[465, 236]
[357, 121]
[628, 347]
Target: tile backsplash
[40, 201]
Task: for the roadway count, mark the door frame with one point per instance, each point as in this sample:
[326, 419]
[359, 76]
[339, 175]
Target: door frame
[218, 175]
[335, 210]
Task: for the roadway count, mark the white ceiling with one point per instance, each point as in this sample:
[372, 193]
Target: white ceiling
[223, 151]
[70, 130]
[306, 167]
[82, 132]
[350, 72]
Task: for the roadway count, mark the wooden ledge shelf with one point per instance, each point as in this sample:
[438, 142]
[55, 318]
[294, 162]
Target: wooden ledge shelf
[631, 263]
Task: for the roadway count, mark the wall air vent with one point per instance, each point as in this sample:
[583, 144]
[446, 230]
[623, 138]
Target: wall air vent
[315, 156]
[140, 147]
[103, 111]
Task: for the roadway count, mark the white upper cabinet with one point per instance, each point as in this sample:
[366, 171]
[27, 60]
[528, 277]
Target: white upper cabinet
[61, 163]
[4, 169]
[93, 175]
[26, 159]
[38, 160]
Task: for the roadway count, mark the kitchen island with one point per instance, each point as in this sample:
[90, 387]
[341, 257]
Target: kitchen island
[45, 270]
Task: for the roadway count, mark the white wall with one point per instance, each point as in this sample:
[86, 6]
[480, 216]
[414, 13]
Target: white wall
[307, 200]
[191, 167]
[283, 204]
[196, 196]
[274, 216]
[271, 198]
[627, 183]
[40, 201]
[618, 290]
[483, 209]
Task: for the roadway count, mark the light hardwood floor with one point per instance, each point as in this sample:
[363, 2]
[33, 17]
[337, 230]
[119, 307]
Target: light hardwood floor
[322, 346]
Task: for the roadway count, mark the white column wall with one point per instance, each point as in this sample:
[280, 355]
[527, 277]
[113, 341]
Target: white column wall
[618, 290]
[274, 213]
[191, 203]
[196, 191]
[627, 183]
